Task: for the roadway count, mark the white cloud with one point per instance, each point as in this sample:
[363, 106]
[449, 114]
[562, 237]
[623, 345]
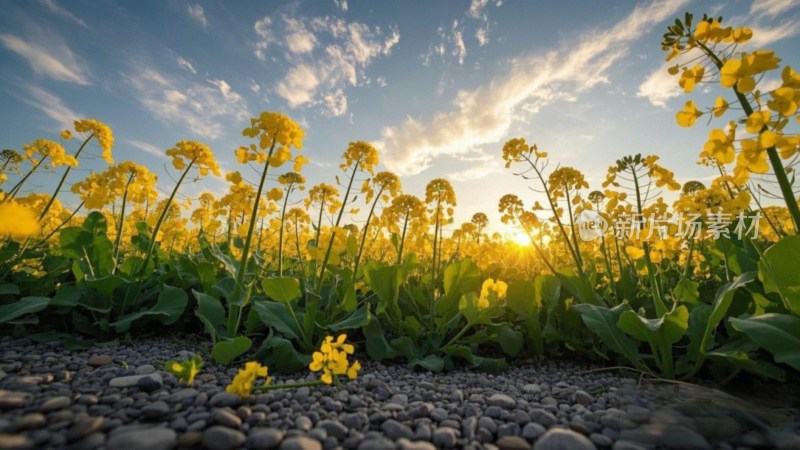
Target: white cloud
[59, 10]
[485, 115]
[459, 49]
[477, 172]
[482, 35]
[198, 106]
[184, 64]
[53, 59]
[148, 148]
[320, 75]
[197, 14]
[341, 4]
[51, 105]
[660, 86]
[255, 87]
[476, 8]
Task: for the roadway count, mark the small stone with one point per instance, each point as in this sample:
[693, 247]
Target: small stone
[683, 438]
[601, 440]
[190, 439]
[532, 431]
[55, 403]
[543, 417]
[300, 443]
[502, 401]
[395, 430]
[333, 428]
[155, 410]
[638, 413]
[133, 380]
[145, 369]
[531, 388]
[583, 397]
[223, 399]
[264, 438]
[561, 439]
[513, 443]
[90, 442]
[624, 444]
[149, 383]
[380, 443]
[226, 418]
[28, 421]
[444, 437]
[223, 438]
[405, 444]
[99, 360]
[303, 423]
[421, 410]
[15, 442]
[487, 424]
[355, 421]
[85, 427]
[183, 395]
[438, 414]
[144, 439]
[12, 399]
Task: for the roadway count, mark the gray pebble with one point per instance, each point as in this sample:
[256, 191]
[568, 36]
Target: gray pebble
[333, 428]
[12, 399]
[155, 410]
[144, 439]
[405, 444]
[226, 418]
[15, 442]
[300, 443]
[395, 430]
[224, 399]
[264, 438]
[513, 443]
[133, 380]
[85, 427]
[502, 401]
[55, 403]
[377, 444]
[90, 442]
[223, 438]
[444, 437]
[533, 430]
[561, 439]
[543, 417]
[683, 438]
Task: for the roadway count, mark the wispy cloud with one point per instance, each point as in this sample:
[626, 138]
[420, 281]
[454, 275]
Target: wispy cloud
[200, 106]
[485, 115]
[197, 14]
[51, 105]
[186, 65]
[52, 59]
[59, 10]
[475, 23]
[765, 18]
[320, 74]
[150, 149]
[341, 4]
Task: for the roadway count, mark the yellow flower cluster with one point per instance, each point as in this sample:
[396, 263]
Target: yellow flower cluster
[100, 131]
[17, 221]
[186, 370]
[740, 72]
[242, 384]
[331, 359]
[516, 150]
[566, 179]
[712, 31]
[325, 195]
[103, 188]
[47, 148]
[385, 182]
[195, 153]
[276, 134]
[491, 289]
[361, 153]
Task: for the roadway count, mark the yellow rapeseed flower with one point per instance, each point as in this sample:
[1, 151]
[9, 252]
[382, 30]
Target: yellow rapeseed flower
[242, 384]
[17, 221]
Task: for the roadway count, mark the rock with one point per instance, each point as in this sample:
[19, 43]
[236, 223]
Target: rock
[133, 380]
[12, 399]
[533, 430]
[15, 442]
[624, 444]
[226, 418]
[405, 444]
[145, 369]
[300, 443]
[223, 399]
[680, 437]
[85, 427]
[421, 410]
[561, 439]
[543, 417]
[513, 443]
[264, 438]
[155, 410]
[28, 421]
[190, 439]
[186, 395]
[149, 383]
[395, 430]
[355, 421]
[144, 439]
[90, 442]
[55, 403]
[444, 437]
[333, 428]
[502, 401]
[377, 444]
[303, 423]
[531, 388]
[400, 399]
[99, 360]
[583, 397]
[638, 413]
[438, 414]
[784, 440]
[601, 440]
[223, 438]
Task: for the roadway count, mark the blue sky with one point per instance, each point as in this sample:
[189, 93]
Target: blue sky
[437, 86]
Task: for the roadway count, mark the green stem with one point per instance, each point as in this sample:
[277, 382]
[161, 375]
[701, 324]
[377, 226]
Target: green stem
[402, 239]
[364, 234]
[336, 224]
[15, 190]
[271, 387]
[119, 228]
[280, 235]
[64, 178]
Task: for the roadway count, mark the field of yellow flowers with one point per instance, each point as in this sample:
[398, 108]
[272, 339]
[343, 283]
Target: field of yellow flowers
[705, 285]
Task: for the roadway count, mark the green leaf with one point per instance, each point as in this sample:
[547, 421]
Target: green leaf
[224, 352]
[461, 277]
[432, 363]
[277, 316]
[468, 306]
[22, 307]
[67, 296]
[279, 354]
[603, 321]
[777, 269]
[686, 291]
[547, 290]
[9, 289]
[385, 282]
[579, 287]
[211, 312]
[357, 319]
[282, 289]
[378, 348]
[522, 299]
[722, 302]
[170, 306]
[737, 353]
[510, 340]
[779, 334]
[106, 285]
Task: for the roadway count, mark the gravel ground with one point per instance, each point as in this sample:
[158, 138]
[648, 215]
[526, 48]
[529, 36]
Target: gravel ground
[118, 398]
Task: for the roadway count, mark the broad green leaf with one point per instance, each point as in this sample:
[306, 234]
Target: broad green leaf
[283, 289]
[278, 317]
[9, 289]
[722, 302]
[224, 352]
[698, 319]
[736, 352]
[603, 322]
[67, 296]
[95, 222]
[510, 340]
[22, 307]
[385, 282]
[378, 348]
[686, 291]
[432, 363]
[483, 364]
[279, 354]
[211, 312]
[169, 308]
[357, 319]
[106, 285]
[666, 330]
[522, 299]
[547, 290]
[461, 277]
[779, 334]
[468, 306]
[777, 269]
[579, 287]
